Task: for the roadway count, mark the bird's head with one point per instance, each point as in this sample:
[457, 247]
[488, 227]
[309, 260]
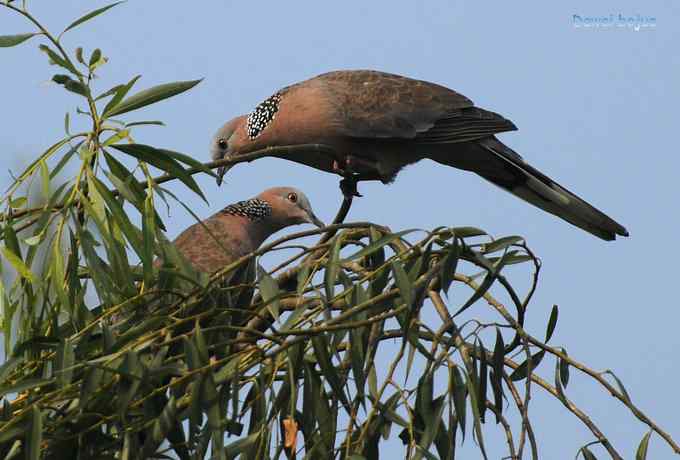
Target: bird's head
[290, 206]
[225, 142]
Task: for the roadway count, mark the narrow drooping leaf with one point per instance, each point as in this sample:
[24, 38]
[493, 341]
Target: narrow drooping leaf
[71, 85]
[120, 93]
[131, 373]
[483, 377]
[501, 244]
[641, 453]
[564, 370]
[497, 375]
[269, 289]
[18, 264]
[56, 59]
[161, 427]
[523, 369]
[65, 359]
[467, 232]
[332, 268]
[162, 161]
[551, 323]
[89, 16]
[619, 383]
[380, 243]
[150, 96]
[13, 40]
[148, 241]
[323, 358]
[587, 454]
[459, 389]
[449, 265]
[403, 283]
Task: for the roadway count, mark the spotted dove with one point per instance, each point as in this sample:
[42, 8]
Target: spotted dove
[377, 123]
[242, 227]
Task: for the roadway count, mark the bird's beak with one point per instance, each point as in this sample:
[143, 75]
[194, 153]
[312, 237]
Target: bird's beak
[221, 171]
[315, 220]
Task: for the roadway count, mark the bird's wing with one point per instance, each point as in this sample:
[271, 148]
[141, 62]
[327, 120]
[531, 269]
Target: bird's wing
[371, 104]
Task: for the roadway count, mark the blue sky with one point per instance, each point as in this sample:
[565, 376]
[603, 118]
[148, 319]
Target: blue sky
[595, 110]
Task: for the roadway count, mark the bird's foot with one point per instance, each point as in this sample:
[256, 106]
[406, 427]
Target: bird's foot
[350, 164]
[348, 186]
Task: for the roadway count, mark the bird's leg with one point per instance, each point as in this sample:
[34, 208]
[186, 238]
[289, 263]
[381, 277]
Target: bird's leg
[348, 186]
[347, 167]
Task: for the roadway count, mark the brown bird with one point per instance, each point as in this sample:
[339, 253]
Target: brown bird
[378, 123]
[242, 227]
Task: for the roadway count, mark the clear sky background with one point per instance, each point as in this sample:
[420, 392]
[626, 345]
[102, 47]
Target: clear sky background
[596, 110]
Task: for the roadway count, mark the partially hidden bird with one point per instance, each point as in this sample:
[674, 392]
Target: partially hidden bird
[240, 228]
[377, 123]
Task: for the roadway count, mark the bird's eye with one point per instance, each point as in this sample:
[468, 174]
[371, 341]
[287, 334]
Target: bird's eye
[292, 197]
[222, 143]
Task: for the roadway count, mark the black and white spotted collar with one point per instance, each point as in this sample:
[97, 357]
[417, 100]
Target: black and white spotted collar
[263, 114]
[254, 209]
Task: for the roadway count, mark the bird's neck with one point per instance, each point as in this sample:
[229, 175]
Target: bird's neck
[246, 232]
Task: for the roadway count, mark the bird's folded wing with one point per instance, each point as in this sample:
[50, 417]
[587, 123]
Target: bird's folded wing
[371, 104]
[466, 124]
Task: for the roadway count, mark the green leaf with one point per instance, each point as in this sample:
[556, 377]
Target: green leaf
[466, 232]
[58, 60]
[79, 56]
[269, 289]
[641, 453]
[18, 264]
[65, 159]
[44, 179]
[380, 243]
[150, 96]
[323, 358]
[622, 389]
[89, 16]
[332, 269]
[458, 387]
[148, 122]
[448, 267]
[120, 92]
[70, 84]
[523, 369]
[186, 159]
[403, 283]
[12, 40]
[551, 323]
[148, 242]
[161, 427]
[587, 454]
[485, 284]
[95, 57]
[35, 436]
[161, 160]
[497, 374]
[500, 244]
[201, 345]
[131, 372]
[564, 370]
[63, 367]
[483, 378]
[17, 202]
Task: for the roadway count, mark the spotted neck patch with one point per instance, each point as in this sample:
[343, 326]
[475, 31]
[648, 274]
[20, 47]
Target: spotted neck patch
[262, 115]
[254, 209]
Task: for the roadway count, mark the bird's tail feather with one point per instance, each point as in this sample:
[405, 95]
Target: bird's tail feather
[503, 167]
